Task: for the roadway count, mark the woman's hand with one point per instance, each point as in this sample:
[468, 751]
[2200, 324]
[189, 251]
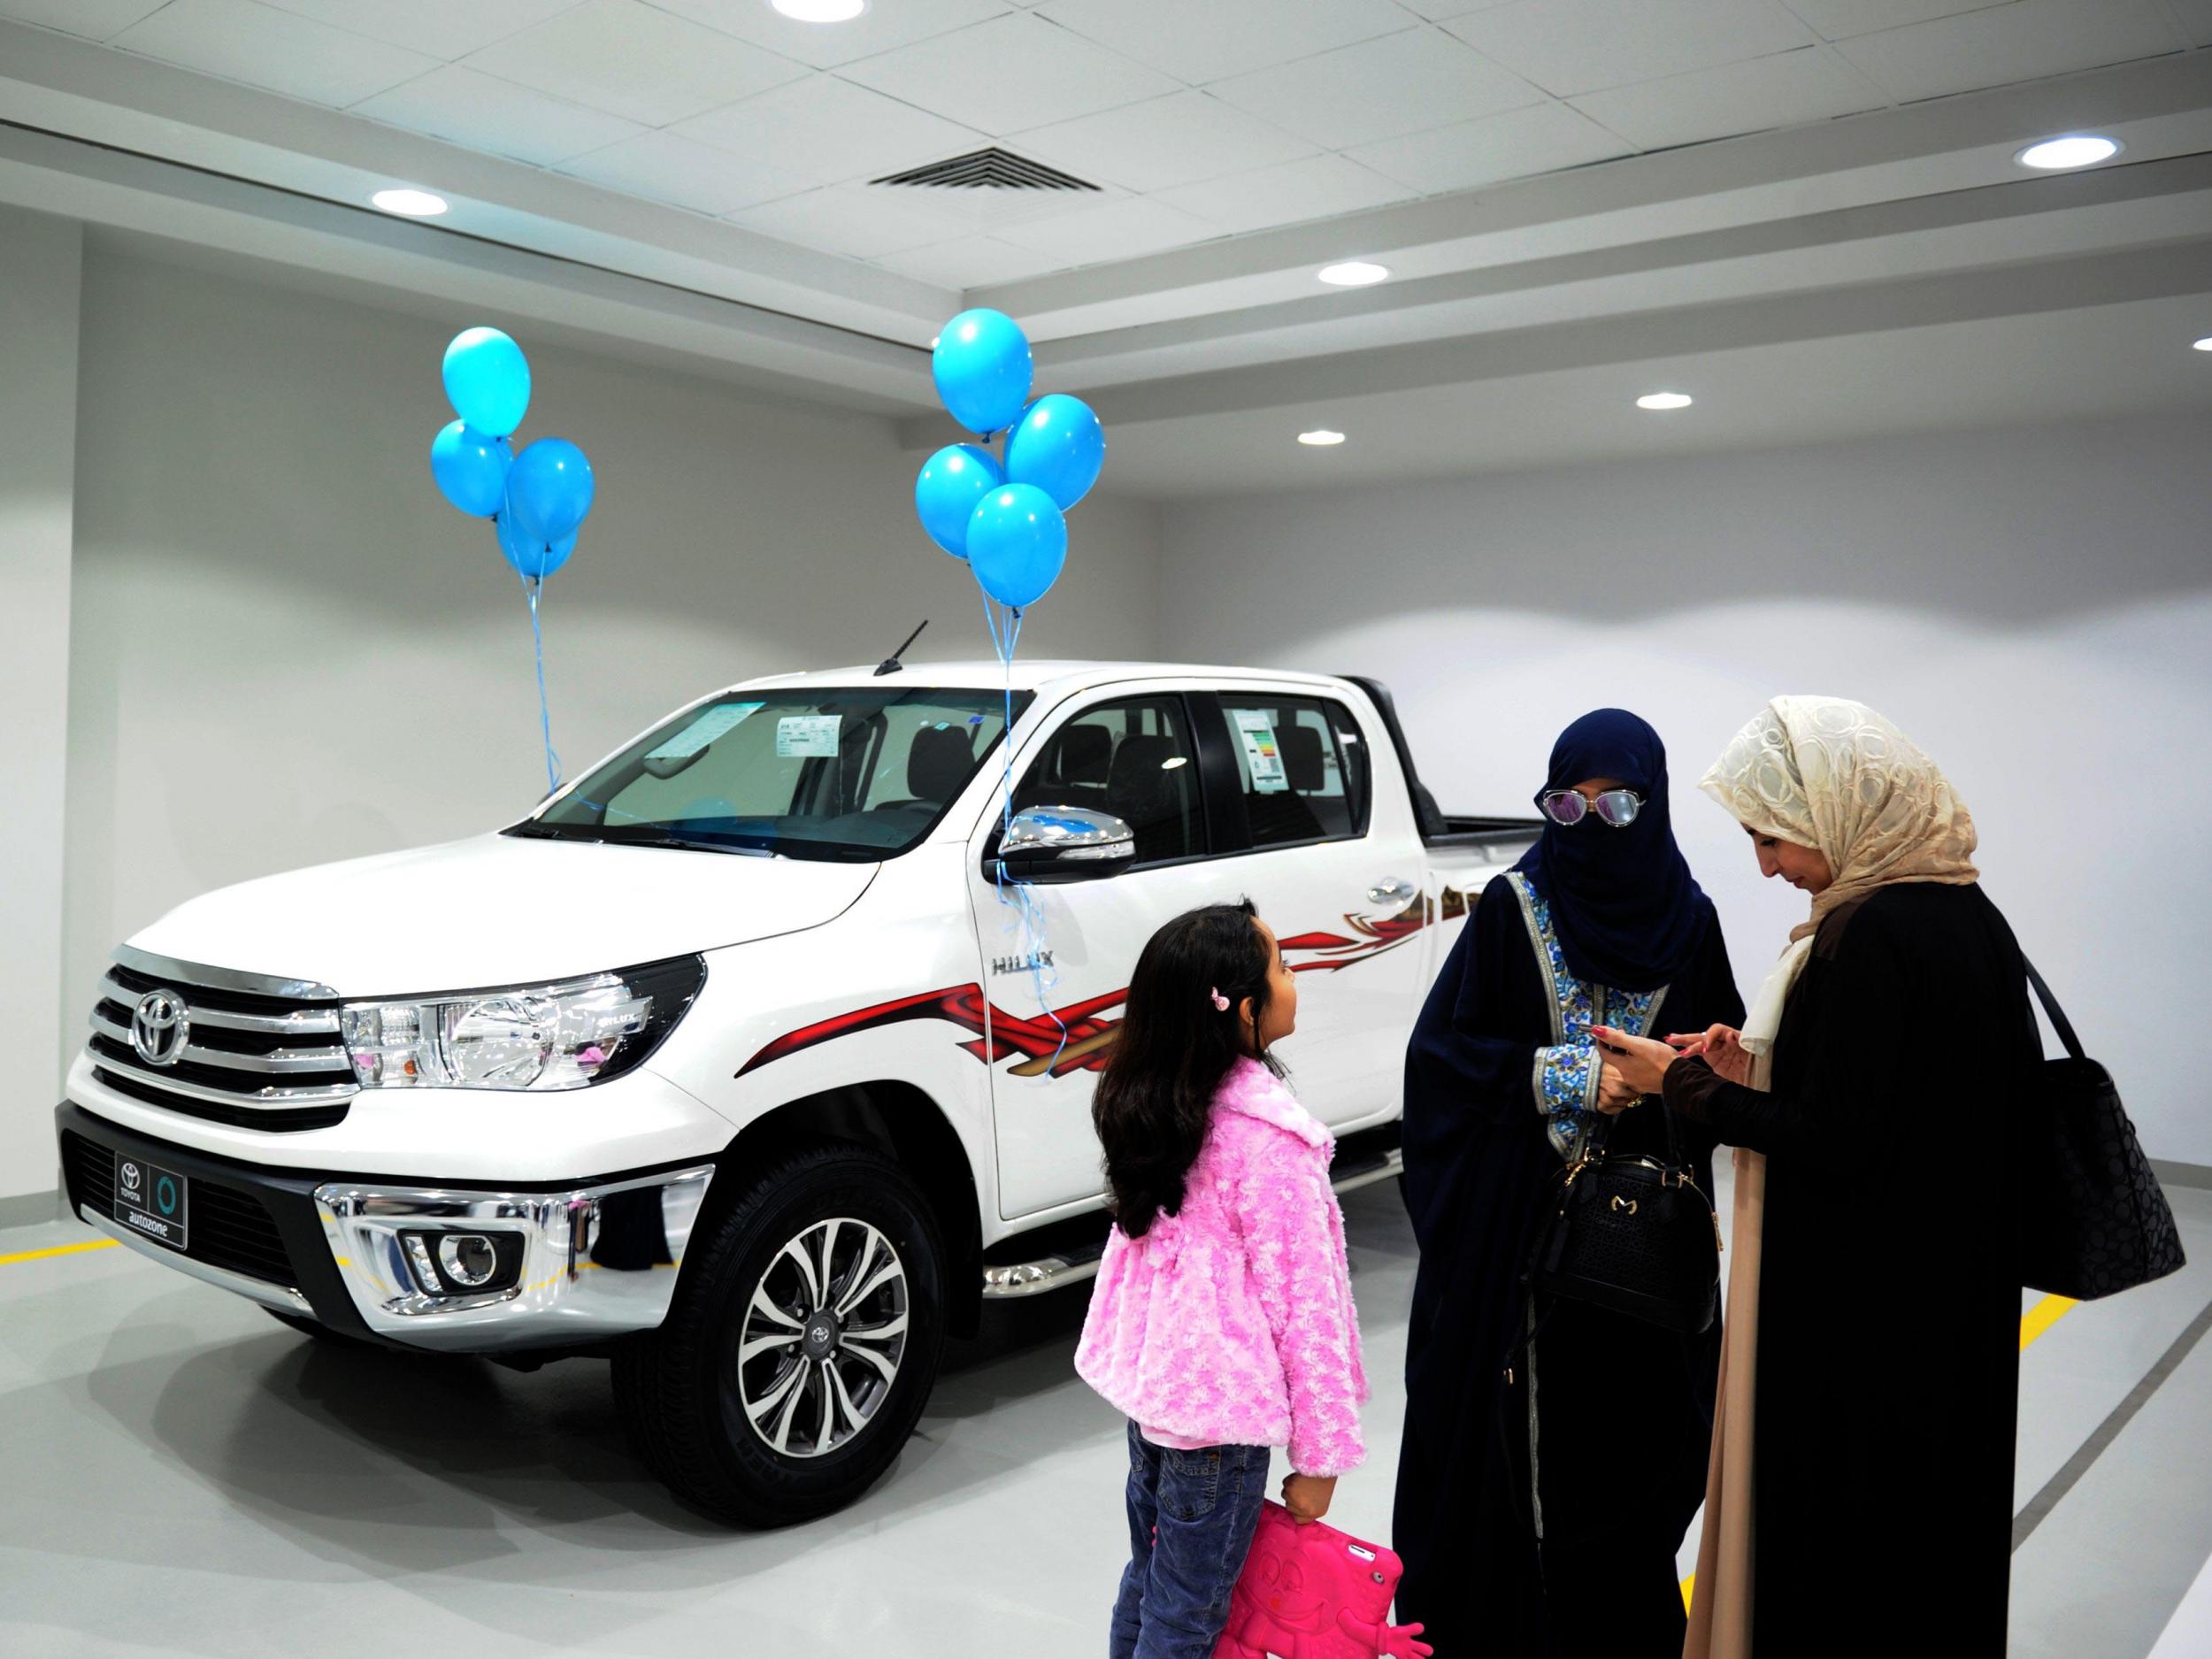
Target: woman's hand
[1307, 1497]
[1638, 1061]
[1614, 1096]
[1722, 1048]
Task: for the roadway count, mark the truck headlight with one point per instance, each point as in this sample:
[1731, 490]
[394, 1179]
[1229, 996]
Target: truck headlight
[567, 1034]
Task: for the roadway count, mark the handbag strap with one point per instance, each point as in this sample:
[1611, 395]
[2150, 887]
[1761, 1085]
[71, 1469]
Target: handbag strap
[1602, 1137]
[2060, 1024]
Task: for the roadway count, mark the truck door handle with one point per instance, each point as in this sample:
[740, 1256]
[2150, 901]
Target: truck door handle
[1393, 890]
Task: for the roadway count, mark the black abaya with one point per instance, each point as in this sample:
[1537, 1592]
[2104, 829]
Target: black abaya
[1888, 1366]
[1623, 1407]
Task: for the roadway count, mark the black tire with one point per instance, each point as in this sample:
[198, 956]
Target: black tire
[690, 1403]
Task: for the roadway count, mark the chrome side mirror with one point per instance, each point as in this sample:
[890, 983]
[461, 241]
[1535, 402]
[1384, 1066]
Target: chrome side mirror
[1063, 844]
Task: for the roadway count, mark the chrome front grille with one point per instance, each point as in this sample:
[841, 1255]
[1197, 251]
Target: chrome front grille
[256, 1052]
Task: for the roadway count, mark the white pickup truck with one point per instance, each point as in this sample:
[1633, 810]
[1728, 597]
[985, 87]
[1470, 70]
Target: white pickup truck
[737, 1061]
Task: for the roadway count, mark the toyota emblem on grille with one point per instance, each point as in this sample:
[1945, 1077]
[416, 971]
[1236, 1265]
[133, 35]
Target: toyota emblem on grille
[159, 1027]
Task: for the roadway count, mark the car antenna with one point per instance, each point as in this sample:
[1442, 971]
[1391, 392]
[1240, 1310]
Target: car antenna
[892, 665]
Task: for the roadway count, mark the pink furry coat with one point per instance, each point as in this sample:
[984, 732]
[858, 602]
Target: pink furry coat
[1231, 1324]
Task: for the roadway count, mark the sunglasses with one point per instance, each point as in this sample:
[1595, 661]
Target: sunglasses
[1617, 809]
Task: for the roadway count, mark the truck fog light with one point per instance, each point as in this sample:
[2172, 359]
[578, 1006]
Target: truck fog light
[467, 1258]
[418, 1260]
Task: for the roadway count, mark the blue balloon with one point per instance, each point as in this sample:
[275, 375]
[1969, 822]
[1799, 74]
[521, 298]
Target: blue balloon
[487, 380]
[952, 481]
[1017, 543]
[1058, 446]
[471, 468]
[529, 555]
[983, 370]
[550, 489]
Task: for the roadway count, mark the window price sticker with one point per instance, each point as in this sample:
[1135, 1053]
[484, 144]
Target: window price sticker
[808, 736]
[1261, 753]
[711, 722]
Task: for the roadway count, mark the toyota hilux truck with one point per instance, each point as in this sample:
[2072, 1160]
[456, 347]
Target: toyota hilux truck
[756, 1058]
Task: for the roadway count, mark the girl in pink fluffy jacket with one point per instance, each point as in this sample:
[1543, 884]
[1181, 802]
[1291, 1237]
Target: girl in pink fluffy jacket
[1221, 1324]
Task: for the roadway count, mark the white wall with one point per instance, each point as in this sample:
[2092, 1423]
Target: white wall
[38, 264]
[285, 647]
[2033, 606]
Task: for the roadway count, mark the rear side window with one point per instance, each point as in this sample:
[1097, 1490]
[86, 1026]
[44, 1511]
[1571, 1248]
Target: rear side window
[1132, 759]
[1301, 763]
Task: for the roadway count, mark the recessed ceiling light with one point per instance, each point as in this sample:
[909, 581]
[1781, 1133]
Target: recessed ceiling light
[2075, 149]
[413, 203]
[1354, 273]
[1320, 438]
[1664, 400]
[821, 11]
[2205, 344]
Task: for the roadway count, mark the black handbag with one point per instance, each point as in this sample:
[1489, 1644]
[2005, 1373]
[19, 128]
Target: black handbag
[2093, 1218]
[1628, 1232]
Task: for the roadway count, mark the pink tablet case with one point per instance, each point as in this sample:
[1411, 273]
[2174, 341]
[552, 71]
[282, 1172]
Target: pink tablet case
[1313, 1593]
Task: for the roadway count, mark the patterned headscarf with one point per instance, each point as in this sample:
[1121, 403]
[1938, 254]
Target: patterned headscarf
[1833, 775]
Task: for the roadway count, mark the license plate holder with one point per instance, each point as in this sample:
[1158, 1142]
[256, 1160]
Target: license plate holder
[152, 1202]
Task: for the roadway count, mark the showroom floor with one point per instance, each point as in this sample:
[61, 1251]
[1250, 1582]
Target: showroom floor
[186, 1476]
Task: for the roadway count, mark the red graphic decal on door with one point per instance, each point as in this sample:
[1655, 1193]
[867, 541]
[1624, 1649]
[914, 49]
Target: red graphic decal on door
[1075, 1038]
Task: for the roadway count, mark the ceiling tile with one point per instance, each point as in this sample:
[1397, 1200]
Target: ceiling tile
[1516, 145]
[94, 19]
[1184, 138]
[1381, 88]
[631, 60]
[826, 129]
[884, 27]
[973, 262]
[442, 27]
[2196, 20]
[1118, 230]
[1788, 89]
[1320, 187]
[666, 168]
[1569, 46]
[241, 41]
[1203, 43]
[1438, 10]
[497, 117]
[1012, 73]
[2022, 41]
[1838, 19]
[862, 221]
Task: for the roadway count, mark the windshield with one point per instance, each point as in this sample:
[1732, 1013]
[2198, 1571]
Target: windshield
[852, 775]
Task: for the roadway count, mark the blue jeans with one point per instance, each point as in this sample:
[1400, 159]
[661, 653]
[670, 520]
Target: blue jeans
[1191, 1520]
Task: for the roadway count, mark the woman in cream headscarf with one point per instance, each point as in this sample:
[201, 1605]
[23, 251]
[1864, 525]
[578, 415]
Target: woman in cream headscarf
[1860, 1496]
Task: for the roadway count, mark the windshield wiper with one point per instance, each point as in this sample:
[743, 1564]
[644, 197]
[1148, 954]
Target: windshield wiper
[533, 830]
[684, 843]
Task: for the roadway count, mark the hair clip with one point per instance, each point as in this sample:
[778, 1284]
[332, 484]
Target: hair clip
[1221, 1003]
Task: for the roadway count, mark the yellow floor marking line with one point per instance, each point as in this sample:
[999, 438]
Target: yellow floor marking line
[58, 1249]
[2034, 1324]
[2042, 1316]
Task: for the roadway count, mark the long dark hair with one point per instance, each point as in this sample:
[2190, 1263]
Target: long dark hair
[1173, 1049]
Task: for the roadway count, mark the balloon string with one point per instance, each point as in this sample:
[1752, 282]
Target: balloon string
[1021, 895]
[545, 714]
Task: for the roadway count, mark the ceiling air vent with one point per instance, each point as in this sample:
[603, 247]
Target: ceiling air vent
[992, 169]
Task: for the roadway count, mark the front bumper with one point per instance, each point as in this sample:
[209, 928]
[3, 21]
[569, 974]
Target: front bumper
[580, 1263]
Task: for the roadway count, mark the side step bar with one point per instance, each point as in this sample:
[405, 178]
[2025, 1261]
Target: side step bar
[1012, 1279]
